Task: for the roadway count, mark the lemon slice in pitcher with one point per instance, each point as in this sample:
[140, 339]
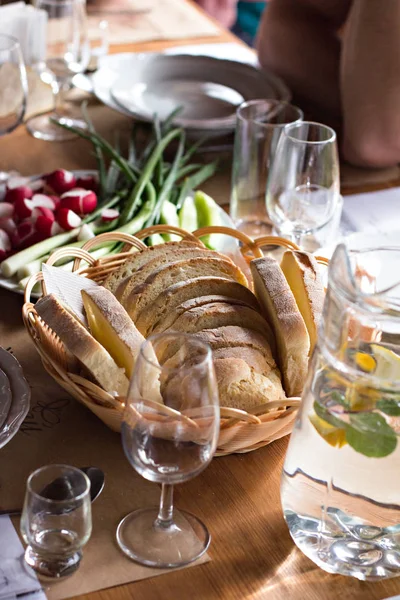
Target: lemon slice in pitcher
[387, 363]
[335, 436]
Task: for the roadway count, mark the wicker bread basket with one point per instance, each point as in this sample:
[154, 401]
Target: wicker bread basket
[240, 431]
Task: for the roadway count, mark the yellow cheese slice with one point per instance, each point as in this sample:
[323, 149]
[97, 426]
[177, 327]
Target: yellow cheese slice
[305, 280]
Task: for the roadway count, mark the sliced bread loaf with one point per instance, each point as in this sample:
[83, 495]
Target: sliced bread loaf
[280, 307]
[138, 277]
[180, 292]
[220, 314]
[138, 259]
[254, 358]
[182, 270]
[303, 275]
[94, 358]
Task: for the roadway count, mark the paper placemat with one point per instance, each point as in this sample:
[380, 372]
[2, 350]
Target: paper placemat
[59, 430]
[154, 20]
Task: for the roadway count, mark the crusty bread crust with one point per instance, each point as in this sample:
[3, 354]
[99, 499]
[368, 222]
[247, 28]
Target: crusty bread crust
[280, 307]
[80, 343]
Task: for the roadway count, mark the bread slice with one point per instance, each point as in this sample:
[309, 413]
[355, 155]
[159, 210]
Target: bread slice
[254, 358]
[181, 270]
[280, 307]
[180, 292]
[127, 285]
[111, 325]
[220, 314]
[138, 259]
[94, 358]
[305, 280]
[240, 386]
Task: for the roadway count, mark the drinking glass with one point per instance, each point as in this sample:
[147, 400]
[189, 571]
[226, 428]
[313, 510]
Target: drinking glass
[340, 493]
[56, 519]
[13, 88]
[169, 434]
[303, 191]
[67, 53]
[259, 124]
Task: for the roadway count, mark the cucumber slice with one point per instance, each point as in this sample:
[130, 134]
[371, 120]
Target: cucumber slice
[169, 216]
[208, 213]
[188, 215]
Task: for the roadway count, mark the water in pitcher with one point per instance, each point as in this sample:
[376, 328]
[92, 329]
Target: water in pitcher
[340, 488]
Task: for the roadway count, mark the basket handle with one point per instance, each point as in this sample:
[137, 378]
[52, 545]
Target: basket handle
[30, 284]
[130, 242]
[185, 235]
[247, 242]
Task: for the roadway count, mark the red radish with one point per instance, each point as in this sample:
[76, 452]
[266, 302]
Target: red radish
[6, 210]
[43, 200]
[5, 245]
[56, 229]
[23, 231]
[8, 225]
[57, 201]
[87, 182]
[81, 202]
[23, 208]
[42, 211]
[18, 193]
[61, 180]
[67, 219]
[17, 181]
[109, 214]
[44, 225]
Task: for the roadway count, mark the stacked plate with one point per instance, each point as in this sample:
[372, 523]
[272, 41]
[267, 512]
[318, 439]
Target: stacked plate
[208, 90]
[14, 396]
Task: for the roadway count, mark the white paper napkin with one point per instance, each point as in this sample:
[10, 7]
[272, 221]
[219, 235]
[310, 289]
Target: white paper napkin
[372, 212]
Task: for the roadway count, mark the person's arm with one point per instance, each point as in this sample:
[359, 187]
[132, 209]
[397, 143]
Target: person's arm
[370, 82]
[297, 40]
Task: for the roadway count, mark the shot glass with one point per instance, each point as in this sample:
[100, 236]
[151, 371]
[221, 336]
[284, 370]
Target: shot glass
[259, 125]
[56, 520]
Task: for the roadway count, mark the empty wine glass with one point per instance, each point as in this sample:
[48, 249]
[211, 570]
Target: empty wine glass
[67, 53]
[169, 434]
[303, 191]
[13, 88]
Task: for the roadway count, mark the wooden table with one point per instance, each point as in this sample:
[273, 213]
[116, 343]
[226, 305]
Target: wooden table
[252, 554]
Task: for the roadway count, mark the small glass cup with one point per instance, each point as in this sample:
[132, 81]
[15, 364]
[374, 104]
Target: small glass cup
[170, 433]
[56, 519]
[303, 192]
[259, 126]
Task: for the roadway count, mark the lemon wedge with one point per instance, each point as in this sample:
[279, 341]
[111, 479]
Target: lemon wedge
[335, 436]
[387, 363]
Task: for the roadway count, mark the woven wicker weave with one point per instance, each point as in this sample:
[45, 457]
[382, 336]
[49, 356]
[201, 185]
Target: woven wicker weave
[241, 431]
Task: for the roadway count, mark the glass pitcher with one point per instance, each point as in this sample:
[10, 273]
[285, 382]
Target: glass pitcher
[341, 477]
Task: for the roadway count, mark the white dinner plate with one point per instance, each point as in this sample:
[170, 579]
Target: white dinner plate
[209, 89]
[20, 393]
[223, 243]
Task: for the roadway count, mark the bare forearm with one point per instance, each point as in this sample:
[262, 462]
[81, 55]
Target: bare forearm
[301, 46]
[370, 83]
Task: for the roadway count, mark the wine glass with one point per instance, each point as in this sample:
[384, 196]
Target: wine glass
[67, 53]
[13, 87]
[169, 434]
[303, 191]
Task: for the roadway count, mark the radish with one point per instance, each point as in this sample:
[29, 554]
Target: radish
[81, 202]
[44, 225]
[55, 229]
[18, 193]
[23, 208]
[6, 210]
[17, 181]
[5, 244]
[87, 182]
[43, 200]
[23, 231]
[8, 225]
[67, 219]
[85, 233]
[109, 214]
[61, 180]
[42, 211]
[57, 201]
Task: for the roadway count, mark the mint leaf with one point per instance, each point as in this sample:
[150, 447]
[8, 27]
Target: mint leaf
[327, 416]
[369, 434]
[339, 398]
[389, 407]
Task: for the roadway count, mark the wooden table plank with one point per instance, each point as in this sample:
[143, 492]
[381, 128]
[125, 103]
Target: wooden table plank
[253, 556]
